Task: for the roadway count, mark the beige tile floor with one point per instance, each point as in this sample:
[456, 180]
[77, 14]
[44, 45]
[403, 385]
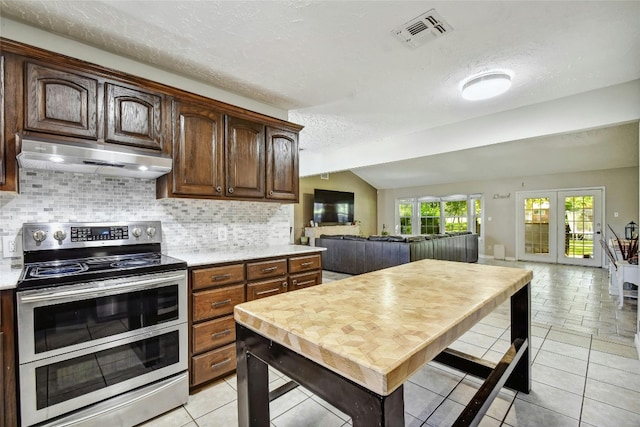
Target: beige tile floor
[585, 369]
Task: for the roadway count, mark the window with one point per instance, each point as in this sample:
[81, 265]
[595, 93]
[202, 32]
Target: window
[476, 214]
[429, 217]
[455, 215]
[433, 215]
[405, 212]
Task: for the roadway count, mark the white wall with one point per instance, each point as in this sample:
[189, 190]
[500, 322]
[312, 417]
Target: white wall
[621, 192]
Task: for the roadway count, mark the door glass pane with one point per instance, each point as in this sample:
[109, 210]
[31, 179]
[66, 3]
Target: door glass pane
[578, 220]
[536, 225]
[405, 210]
[477, 216]
[75, 322]
[455, 216]
[75, 377]
[429, 217]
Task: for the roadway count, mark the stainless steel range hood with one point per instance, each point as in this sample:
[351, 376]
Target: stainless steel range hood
[114, 160]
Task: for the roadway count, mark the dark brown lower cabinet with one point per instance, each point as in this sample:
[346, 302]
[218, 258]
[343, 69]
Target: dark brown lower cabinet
[8, 390]
[215, 289]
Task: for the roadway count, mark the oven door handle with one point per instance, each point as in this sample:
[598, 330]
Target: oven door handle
[128, 286]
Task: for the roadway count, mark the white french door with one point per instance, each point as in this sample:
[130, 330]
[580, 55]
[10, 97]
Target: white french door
[561, 227]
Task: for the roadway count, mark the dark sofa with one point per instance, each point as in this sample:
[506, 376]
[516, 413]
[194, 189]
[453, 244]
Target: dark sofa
[357, 255]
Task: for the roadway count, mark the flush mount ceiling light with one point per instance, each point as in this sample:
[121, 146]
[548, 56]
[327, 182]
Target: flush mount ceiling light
[486, 85]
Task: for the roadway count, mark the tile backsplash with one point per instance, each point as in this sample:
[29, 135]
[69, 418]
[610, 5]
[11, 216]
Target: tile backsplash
[187, 224]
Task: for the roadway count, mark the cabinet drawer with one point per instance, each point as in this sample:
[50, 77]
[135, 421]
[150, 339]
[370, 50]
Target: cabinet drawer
[213, 364]
[301, 281]
[264, 269]
[216, 302]
[213, 333]
[305, 263]
[266, 288]
[216, 276]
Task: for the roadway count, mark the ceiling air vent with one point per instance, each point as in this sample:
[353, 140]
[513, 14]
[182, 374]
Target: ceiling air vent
[422, 29]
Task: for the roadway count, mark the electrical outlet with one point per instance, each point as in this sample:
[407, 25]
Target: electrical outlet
[222, 234]
[11, 247]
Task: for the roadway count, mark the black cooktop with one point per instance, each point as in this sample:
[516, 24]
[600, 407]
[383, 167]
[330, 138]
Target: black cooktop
[67, 271]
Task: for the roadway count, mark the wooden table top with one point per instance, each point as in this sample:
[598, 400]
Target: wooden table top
[377, 329]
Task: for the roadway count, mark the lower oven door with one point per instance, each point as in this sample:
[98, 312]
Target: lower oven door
[57, 385]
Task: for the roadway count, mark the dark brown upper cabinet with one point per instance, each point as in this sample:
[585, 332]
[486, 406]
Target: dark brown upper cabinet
[198, 150]
[219, 151]
[61, 102]
[2, 138]
[245, 166]
[282, 165]
[133, 117]
[65, 103]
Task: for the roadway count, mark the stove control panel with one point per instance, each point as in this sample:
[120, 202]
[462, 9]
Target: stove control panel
[36, 237]
[90, 234]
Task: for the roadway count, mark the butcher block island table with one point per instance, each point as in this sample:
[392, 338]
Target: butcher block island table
[354, 342]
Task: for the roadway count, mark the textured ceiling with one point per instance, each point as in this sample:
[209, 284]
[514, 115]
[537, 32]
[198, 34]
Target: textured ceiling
[338, 69]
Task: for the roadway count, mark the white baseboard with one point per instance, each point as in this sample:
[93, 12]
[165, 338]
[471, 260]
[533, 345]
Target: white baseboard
[492, 257]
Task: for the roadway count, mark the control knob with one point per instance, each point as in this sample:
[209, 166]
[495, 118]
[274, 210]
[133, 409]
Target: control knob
[59, 235]
[151, 231]
[39, 236]
[137, 232]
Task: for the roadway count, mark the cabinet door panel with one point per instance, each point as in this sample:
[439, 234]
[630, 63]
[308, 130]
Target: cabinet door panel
[266, 288]
[217, 302]
[214, 333]
[305, 263]
[133, 117]
[245, 149]
[213, 364]
[2, 368]
[282, 165]
[198, 151]
[306, 280]
[217, 276]
[2, 101]
[265, 269]
[61, 102]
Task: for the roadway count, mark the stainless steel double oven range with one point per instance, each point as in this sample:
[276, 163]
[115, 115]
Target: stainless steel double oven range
[101, 324]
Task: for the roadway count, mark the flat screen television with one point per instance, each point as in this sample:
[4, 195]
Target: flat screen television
[332, 207]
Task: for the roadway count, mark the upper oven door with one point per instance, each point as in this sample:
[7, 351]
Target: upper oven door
[61, 319]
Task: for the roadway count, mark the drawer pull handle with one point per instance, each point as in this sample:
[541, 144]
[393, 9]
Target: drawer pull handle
[220, 303]
[230, 190]
[269, 269]
[270, 291]
[221, 277]
[219, 189]
[284, 285]
[219, 364]
[306, 264]
[302, 283]
[221, 334]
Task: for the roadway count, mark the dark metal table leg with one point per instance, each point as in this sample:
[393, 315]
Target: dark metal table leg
[520, 378]
[366, 408]
[253, 388]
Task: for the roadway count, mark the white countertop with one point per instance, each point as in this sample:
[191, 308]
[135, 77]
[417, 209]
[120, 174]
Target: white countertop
[10, 269]
[243, 254]
[9, 273]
